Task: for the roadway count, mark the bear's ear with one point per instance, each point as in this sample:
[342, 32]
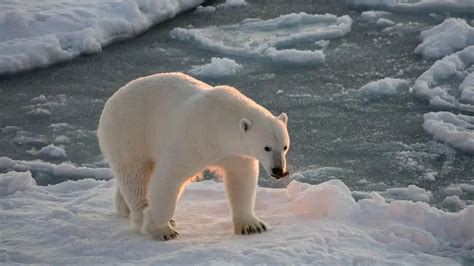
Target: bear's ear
[245, 125]
[283, 117]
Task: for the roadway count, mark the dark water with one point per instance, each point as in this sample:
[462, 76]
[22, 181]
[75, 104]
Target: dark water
[369, 143]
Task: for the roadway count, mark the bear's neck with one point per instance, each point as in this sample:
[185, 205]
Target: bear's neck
[218, 133]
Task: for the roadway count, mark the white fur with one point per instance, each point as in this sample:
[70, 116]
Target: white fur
[159, 131]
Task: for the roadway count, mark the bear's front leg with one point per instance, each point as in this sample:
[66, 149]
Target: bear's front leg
[164, 191]
[240, 178]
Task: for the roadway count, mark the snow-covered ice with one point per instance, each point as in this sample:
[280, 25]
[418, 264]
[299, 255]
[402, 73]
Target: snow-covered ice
[453, 203]
[449, 83]
[462, 6]
[383, 23]
[412, 192]
[39, 33]
[456, 130]
[373, 15]
[12, 182]
[452, 35]
[217, 68]
[50, 152]
[384, 87]
[322, 43]
[233, 3]
[205, 9]
[264, 38]
[39, 112]
[438, 83]
[74, 222]
[64, 170]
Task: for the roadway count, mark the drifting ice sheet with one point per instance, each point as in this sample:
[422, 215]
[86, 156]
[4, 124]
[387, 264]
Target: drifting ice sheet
[436, 84]
[74, 222]
[446, 38]
[265, 38]
[455, 130]
[462, 6]
[384, 87]
[219, 67]
[63, 170]
[39, 33]
[373, 15]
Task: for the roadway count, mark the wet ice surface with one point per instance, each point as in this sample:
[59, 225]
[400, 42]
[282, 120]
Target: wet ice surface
[371, 142]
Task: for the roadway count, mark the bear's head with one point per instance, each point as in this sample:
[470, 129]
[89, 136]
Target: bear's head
[268, 141]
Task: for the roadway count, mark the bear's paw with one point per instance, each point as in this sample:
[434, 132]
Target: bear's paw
[250, 227]
[164, 233]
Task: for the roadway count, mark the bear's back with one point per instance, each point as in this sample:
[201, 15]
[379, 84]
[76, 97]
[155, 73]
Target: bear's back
[146, 107]
[165, 85]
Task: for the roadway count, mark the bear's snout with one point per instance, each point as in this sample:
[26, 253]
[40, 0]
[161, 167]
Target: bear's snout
[278, 173]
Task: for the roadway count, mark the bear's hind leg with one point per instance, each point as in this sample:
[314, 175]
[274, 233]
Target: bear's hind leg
[240, 179]
[133, 182]
[121, 205]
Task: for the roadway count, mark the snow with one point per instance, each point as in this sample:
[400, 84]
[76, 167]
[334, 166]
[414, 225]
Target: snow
[218, 68]
[74, 222]
[450, 36]
[462, 6]
[436, 84]
[384, 87]
[40, 33]
[256, 38]
[64, 170]
[456, 130]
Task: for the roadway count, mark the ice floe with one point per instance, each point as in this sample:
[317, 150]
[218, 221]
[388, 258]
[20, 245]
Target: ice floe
[453, 203]
[384, 87]
[61, 171]
[411, 192]
[452, 35]
[233, 3]
[205, 9]
[374, 15]
[456, 130]
[439, 84]
[39, 33]
[461, 6]
[12, 182]
[265, 39]
[383, 23]
[217, 68]
[74, 222]
[50, 152]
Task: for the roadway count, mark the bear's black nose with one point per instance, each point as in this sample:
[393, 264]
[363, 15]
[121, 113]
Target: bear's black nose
[277, 171]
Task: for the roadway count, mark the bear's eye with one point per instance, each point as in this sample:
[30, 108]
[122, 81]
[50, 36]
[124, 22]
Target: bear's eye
[268, 148]
[285, 148]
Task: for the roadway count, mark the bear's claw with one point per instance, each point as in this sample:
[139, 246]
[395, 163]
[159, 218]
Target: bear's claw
[165, 233]
[250, 228]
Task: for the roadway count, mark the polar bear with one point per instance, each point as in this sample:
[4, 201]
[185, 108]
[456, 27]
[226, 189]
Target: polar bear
[159, 131]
